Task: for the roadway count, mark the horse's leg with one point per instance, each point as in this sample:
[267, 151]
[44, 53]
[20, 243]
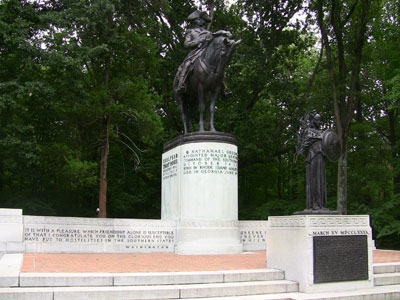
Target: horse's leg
[202, 107]
[188, 115]
[213, 99]
[179, 101]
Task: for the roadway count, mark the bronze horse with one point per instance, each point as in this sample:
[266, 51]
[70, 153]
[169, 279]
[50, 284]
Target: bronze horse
[204, 81]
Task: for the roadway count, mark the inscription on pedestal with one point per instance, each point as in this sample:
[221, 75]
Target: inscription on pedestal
[340, 258]
[210, 161]
[170, 166]
[201, 161]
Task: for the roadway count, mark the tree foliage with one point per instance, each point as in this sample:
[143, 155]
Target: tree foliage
[86, 103]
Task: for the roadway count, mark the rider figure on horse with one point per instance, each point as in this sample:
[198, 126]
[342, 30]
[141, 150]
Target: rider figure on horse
[196, 39]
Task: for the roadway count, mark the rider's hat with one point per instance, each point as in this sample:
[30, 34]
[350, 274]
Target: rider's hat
[199, 14]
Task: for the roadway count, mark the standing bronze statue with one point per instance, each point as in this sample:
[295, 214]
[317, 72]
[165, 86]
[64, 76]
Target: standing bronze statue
[201, 74]
[317, 145]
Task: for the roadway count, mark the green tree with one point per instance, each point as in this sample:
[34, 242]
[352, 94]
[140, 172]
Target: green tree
[268, 77]
[343, 27]
[20, 61]
[118, 59]
[77, 72]
[379, 141]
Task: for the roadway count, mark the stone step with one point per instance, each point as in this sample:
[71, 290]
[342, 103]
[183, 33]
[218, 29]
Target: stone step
[265, 284]
[151, 291]
[377, 293]
[386, 274]
[135, 279]
[10, 266]
[380, 268]
[386, 279]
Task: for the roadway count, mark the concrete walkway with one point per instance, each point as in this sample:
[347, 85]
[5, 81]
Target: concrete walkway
[156, 262]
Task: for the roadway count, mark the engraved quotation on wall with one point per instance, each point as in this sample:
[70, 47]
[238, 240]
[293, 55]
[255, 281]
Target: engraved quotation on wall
[256, 236]
[131, 239]
[134, 239]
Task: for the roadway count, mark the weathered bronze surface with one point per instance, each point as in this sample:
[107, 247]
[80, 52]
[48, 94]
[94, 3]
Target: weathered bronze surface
[317, 145]
[201, 75]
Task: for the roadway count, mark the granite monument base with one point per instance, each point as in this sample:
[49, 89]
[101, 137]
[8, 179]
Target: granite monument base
[323, 253]
[45, 234]
[11, 230]
[200, 192]
[208, 237]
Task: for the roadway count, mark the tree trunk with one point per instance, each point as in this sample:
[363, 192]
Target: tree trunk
[342, 183]
[105, 146]
[105, 140]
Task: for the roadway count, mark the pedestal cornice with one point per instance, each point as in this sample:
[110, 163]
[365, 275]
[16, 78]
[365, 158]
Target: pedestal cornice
[198, 137]
[318, 220]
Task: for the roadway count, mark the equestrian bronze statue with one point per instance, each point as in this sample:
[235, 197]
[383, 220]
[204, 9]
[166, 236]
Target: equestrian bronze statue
[200, 77]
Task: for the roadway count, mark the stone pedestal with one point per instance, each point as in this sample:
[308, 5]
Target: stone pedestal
[199, 191]
[11, 231]
[322, 253]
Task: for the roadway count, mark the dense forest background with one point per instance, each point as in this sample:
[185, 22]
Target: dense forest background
[86, 103]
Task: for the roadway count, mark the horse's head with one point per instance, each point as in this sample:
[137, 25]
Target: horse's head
[221, 47]
[229, 45]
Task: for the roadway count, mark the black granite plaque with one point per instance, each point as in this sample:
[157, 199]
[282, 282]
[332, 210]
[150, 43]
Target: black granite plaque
[340, 258]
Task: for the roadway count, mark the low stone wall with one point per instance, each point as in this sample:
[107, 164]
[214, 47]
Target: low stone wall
[253, 235]
[66, 234]
[11, 230]
[93, 235]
